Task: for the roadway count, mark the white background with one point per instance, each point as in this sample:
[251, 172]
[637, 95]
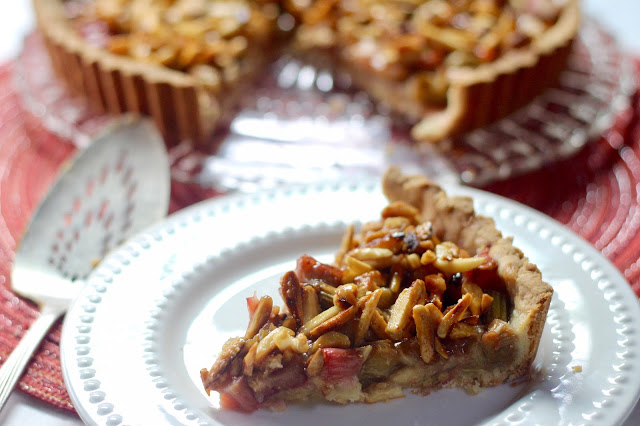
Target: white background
[621, 17]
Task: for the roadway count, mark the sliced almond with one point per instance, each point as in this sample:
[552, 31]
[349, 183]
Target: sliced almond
[374, 235]
[315, 364]
[379, 325]
[310, 303]
[396, 278]
[249, 360]
[319, 319]
[436, 314]
[369, 309]
[371, 253]
[461, 264]
[476, 297]
[370, 281]
[230, 351]
[334, 322]
[332, 339]
[284, 340]
[346, 295]
[290, 323]
[387, 299]
[453, 316]
[355, 267]
[327, 288]
[260, 316]
[270, 342]
[425, 332]
[397, 222]
[486, 302]
[401, 312]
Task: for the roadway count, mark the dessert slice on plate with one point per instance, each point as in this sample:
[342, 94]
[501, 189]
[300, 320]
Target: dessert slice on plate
[428, 296]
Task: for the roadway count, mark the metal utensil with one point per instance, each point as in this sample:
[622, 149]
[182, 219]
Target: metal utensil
[112, 189]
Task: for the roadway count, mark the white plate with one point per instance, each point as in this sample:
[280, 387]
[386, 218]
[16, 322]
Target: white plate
[157, 311]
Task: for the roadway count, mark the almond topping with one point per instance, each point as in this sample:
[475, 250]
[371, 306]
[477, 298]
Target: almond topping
[402, 310]
[270, 343]
[355, 267]
[260, 316]
[346, 295]
[453, 316]
[486, 302]
[456, 265]
[379, 325]
[425, 332]
[332, 339]
[319, 319]
[334, 322]
[476, 297]
[370, 306]
[310, 303]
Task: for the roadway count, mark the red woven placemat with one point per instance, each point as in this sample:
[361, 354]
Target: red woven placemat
[596, 194]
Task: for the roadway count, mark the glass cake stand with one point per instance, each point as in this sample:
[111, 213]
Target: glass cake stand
[303, 124]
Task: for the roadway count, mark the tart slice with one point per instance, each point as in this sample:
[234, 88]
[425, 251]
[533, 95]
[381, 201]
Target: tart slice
[428, 296]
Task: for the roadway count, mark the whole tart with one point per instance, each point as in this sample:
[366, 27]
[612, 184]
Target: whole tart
[449, 66]
[186, 62]
[446, 66]
[428, 296]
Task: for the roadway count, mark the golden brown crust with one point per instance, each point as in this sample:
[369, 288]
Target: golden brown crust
[454, 220]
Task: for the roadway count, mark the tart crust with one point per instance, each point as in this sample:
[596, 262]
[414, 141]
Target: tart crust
[378, 369]
[455, 220]
[185, 110]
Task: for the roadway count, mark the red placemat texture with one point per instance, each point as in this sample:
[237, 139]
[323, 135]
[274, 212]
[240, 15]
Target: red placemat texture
[596, 194]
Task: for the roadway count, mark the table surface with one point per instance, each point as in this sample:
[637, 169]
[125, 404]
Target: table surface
[16, 20]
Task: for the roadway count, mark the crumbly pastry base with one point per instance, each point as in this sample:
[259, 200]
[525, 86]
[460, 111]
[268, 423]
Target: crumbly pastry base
[184, 110]
[398, 366]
